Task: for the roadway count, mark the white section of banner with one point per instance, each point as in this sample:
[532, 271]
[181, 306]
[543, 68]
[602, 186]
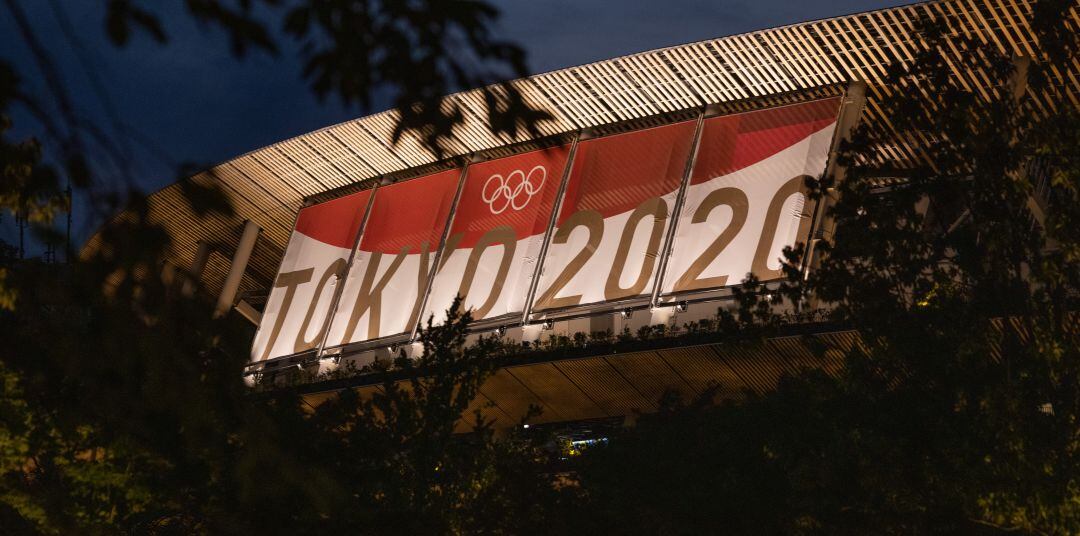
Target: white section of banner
[595, 279]
[759, 183]
[380, 295]
[511, 290]
[300, 298]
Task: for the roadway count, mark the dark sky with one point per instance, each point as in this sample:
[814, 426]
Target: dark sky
[194, 102]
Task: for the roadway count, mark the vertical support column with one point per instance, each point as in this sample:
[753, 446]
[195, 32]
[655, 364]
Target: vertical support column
[555, 208]
[824, 225]
[236, 269]
[1019, 80]
[198, 264]
[680, 198]
[340, 281]
[442, 245]
[248, 312]
[168, 274]
[1018, 83]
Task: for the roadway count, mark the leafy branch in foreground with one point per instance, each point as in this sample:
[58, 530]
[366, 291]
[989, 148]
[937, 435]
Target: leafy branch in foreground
[959, 410]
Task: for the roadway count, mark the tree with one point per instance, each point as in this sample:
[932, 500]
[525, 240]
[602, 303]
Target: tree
[122, 407]
[415, 52]
[400, 468]
[959, 411]
[163, 437]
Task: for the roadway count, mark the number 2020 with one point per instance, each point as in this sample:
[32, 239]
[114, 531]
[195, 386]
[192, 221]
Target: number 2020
[656, 207]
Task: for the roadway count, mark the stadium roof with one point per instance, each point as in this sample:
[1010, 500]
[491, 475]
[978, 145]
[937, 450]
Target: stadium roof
[735, 73]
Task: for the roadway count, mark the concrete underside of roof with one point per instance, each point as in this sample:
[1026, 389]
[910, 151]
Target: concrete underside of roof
[607, 385]
[626, 384]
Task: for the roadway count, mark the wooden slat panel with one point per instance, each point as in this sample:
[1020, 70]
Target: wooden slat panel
[761, 65]
[557, 391]
[700, 368]
[650, 375]
[605, 386]
[514, 398]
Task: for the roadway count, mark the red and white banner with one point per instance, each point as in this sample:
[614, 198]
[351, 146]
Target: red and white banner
[745, 201]
[390, 270]
[619, 196]
[295, 315]
[746, 198]
[497, 233]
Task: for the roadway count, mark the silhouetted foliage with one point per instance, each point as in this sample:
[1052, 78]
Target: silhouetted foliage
[419, 52]
[122, 405]
[959, 411]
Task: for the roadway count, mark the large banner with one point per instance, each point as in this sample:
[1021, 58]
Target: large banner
[744, 202]
[390, 270]
[746, 199]
[619, 196]
[497, 233]
[294, 318]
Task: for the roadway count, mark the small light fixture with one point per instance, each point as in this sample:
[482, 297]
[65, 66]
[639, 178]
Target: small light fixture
[500, 331]
[681, 306]
[627, 313]
[549, 324]
[525, 426]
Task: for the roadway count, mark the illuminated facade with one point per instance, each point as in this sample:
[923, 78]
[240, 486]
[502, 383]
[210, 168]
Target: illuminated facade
[664, 178]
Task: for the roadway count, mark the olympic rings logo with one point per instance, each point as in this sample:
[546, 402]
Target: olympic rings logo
[513, 191]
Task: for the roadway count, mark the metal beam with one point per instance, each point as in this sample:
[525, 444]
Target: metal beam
[339, 283]
[236, 269]
[250, 313]
[1018, 83]
[538, 271]
[824, 224]
[676, 210]
[434, 269]
[198, 264]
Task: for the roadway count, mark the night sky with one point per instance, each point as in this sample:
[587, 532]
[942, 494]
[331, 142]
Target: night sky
[192, 101]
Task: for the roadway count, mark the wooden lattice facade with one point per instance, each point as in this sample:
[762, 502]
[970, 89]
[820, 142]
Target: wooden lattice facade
[763, 68]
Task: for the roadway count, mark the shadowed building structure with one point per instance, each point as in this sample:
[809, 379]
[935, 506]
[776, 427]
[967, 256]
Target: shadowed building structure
[663, 178]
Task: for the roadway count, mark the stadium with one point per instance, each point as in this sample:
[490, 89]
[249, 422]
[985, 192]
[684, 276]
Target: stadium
[663, 179]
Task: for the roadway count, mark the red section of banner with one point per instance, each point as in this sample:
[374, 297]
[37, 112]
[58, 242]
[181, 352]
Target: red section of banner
[614, 174]
[517, 191]
[334, 222]
[410, 213]
[732, 142]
